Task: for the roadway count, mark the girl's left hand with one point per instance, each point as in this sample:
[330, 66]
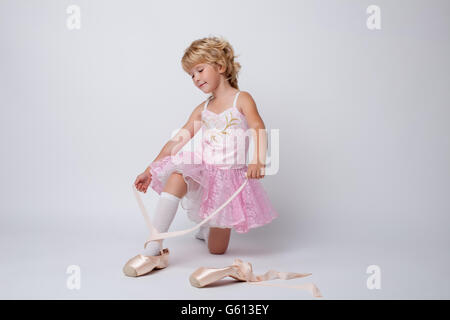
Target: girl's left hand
[256, 171]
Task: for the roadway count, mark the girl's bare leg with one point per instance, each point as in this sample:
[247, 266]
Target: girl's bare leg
[175, 185]
[218, 240]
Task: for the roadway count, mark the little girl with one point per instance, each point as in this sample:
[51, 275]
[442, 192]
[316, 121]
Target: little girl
[203, 181]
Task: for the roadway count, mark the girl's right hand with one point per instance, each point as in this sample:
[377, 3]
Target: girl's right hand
[143, 181]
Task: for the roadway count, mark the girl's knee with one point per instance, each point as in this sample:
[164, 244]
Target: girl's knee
[217, 251]
[218, 240]
[176, 185]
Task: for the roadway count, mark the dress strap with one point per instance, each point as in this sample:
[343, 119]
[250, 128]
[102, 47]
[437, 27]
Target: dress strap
[234, 102]
[235, 99]
[206, 103]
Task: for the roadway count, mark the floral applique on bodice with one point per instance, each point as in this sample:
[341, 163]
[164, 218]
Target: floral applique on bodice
[220, 125]
[223, 136]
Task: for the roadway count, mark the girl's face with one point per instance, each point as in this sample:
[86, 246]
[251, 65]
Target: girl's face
[205, 76]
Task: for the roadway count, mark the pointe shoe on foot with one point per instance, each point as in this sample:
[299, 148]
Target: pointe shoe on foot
[140, 264]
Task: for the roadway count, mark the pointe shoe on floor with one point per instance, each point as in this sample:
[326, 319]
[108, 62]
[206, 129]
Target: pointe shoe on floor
[239, 270]
[205, 276]
[242, 271]
[140, 264]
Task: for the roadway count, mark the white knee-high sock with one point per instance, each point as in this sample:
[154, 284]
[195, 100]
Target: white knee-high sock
[165, 211]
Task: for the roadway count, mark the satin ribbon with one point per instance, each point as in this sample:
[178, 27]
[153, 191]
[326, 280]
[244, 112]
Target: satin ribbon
[155, 235]
[247, 272]
[246, 267]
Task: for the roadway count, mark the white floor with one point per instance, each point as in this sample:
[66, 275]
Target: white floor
[34, 264]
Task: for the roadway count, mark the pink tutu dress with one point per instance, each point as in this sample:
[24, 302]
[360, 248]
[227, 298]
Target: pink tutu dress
[215, 173]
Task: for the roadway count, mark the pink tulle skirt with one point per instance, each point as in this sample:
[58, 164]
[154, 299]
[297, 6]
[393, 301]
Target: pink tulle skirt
[208, 187]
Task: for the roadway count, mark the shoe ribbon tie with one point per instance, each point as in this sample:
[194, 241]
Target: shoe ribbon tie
[155, 235]
[246, 271]
[244, 267]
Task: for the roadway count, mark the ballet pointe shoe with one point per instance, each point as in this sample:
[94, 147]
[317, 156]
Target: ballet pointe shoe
[141, 265]
[243, 271]
[205, 276]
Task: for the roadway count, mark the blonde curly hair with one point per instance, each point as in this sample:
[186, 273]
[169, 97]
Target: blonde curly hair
[213, 50]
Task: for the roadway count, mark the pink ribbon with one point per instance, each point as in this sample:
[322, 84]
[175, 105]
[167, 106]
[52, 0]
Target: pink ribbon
[246, 270]
[245, 267]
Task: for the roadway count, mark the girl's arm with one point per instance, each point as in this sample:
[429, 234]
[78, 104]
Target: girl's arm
[255, 122]
[183, 136]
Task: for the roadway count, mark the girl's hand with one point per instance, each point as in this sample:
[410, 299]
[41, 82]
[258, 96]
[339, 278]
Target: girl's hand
[143, 181]
[256, 171]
